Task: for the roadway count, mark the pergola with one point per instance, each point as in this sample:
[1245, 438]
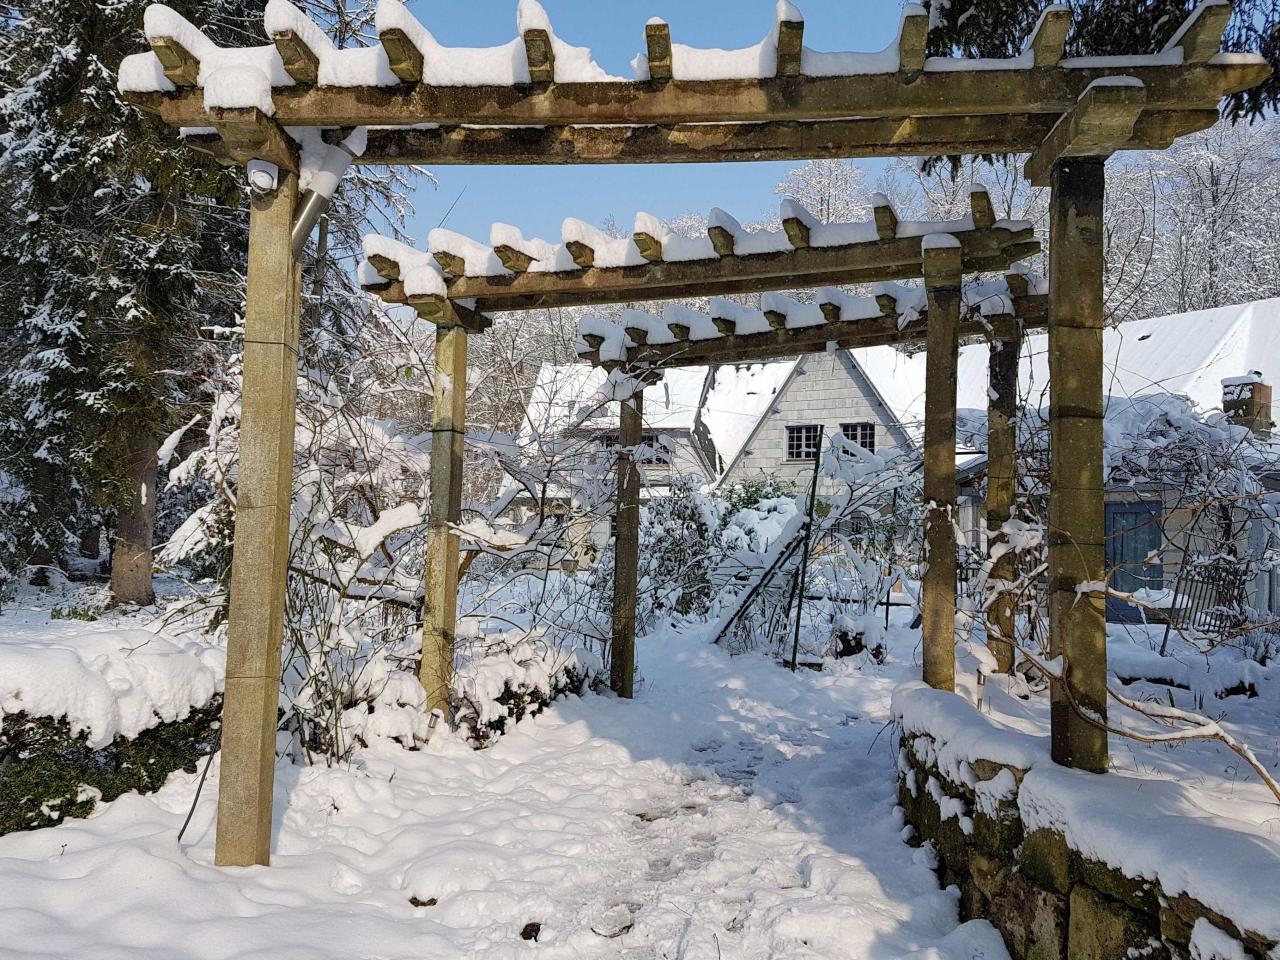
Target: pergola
[541, 101]
[517, 274]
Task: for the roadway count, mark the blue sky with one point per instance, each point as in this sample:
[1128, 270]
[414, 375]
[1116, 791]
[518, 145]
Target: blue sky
[537, 198]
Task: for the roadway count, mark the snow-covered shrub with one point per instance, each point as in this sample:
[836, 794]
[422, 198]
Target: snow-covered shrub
[503, 678]
[51, 773]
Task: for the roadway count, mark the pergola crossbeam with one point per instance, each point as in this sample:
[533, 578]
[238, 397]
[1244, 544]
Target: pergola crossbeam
[1097, 126]
[736, 142]
[729, 333]
[887, 249]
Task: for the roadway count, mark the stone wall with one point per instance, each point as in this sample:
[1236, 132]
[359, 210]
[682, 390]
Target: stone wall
[1047, 900]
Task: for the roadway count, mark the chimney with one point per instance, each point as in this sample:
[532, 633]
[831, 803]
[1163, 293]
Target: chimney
[1247, 402]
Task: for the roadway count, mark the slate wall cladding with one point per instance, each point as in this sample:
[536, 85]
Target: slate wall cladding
[822, 391]
[1047, 900]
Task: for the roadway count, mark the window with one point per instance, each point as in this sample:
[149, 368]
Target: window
[802, 442]
[863, 434]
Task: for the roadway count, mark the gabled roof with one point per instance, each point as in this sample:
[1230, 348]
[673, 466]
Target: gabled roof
[570, 396]
[1189, 354]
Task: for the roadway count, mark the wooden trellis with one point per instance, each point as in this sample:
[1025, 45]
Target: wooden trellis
[422, 102]
[727, 261]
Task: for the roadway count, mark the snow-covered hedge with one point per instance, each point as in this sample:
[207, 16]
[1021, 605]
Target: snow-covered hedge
[509, 677]
[88, 714]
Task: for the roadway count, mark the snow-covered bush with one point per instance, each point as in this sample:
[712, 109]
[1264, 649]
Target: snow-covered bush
[51, 772]
[503, 678]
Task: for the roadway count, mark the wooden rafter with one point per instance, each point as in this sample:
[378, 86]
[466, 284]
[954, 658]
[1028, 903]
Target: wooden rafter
[897, 324]
[989, 247]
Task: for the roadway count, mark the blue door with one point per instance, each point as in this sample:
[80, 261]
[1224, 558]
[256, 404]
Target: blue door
[1133, 533]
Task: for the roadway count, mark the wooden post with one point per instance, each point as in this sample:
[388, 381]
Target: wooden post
[259, 566]
[942, 277]
[1002, 476]
[448, 429]
[1077, 617]
[626, 549]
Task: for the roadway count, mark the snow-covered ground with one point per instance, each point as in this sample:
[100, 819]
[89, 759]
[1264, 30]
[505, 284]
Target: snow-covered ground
[731, 810]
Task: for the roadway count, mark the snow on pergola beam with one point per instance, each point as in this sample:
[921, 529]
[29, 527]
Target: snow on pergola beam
[889, 102]
[783, 327]
[590, 268]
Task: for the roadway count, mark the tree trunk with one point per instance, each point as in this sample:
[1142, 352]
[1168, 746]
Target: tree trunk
[135, 526]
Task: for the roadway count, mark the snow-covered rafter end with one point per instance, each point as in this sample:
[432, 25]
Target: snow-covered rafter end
[303, 80]
[731, 333]
[590, 267]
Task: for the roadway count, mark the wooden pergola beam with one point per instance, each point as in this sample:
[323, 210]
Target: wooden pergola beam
[737, 142]
[1049, 38]
[403, 55]
[790, 47]
[1200, 36]
[985, 249]
[1031, 311]
[1097, 126]
[249, 134]
[930, 93]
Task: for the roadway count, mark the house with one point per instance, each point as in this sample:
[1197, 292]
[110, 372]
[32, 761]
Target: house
[733, 424]
[569, 403]
[1219, 359]
[766, 419]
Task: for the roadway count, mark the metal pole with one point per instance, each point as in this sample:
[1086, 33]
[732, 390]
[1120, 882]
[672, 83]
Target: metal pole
[804, 554]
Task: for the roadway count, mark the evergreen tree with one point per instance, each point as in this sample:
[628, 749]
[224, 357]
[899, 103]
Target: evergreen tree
[115, 252]
[998, 28]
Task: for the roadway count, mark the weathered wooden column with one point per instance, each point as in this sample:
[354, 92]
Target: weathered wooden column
[259, 566]
[626, 548]
[1002, 474]
[1077, 617]
[448, 431]
[942, 278]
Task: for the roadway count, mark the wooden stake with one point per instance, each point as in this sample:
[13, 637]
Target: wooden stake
[626, 549]
[942, 277]
[1077, 610]
[1002, 471]
[448, 428]
[255, 626]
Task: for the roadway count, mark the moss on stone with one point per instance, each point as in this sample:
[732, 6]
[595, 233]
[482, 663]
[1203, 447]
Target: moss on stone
[1141, 895]
[1101, 927]
[1047, 860]
[1000, 835]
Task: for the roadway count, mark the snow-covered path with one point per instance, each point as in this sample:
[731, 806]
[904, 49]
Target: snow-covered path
[733, 810]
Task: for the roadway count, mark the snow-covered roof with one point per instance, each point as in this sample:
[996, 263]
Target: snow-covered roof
[738, 397]
[572, 396]
[1189, 354]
